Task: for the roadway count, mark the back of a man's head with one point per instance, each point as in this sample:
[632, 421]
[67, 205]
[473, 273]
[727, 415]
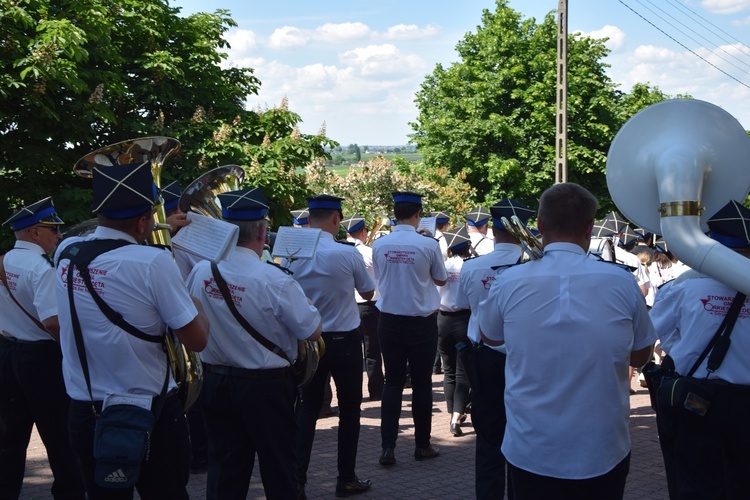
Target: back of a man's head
[566, 209]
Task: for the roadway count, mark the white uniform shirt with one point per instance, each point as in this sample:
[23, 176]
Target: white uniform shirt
[569, 324]
[686, 319]
[624, 257]
[31, 279]
[440, 237]
[143, 284]
[405, 264]
[481, 243]
[267, 297]
[329, 278]
[367, 257]
[450, 298]
[477, 278]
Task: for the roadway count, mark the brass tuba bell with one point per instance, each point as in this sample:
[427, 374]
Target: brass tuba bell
[187, 370]
[202, 195]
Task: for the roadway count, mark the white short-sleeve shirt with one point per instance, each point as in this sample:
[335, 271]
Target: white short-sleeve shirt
[686, 319]
[367, 257]
[31, 279]
[477, 277]
[267, 297]
[450, 298]
[329, 280]
[569, 324]
[481, 243]
[405, 265]
[144, 285]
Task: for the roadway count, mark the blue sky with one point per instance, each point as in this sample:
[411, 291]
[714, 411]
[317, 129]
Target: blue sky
[356, 65]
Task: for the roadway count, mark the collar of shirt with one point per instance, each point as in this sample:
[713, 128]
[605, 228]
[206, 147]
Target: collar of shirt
[507, 247]
[247, 252]
[354, 240]
[27, 245]
[327, 235]
[564, 247]
[404, 227]
[107, 233]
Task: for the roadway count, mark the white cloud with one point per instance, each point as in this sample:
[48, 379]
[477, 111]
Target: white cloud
[342, 32]
[410, 32]
[242, 41]
[725, 6]
[287, 38]
[741, 22]
[384, 59]
[616, 36]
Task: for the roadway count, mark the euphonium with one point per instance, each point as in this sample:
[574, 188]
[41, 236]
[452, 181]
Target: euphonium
[530, 244]
[375, 232]
[187, 370]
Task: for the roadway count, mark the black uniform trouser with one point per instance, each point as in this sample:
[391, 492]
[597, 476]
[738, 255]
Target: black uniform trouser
[32, 392]
[343, 360]
[403, 339]
[166, 472]
[369, 316]
[452, 328]
[249, 412]
[709, 456]
[488, 418]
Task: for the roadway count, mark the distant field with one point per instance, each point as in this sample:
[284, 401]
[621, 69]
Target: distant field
[350, 159]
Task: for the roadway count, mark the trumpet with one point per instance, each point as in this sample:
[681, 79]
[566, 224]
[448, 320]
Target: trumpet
[530, 244]
[186, 367]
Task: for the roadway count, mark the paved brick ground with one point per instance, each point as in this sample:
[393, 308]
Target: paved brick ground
[449, 476]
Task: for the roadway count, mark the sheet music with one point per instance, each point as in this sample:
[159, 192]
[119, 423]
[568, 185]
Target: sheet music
[208, 238]
[429, 223]
[296, 242]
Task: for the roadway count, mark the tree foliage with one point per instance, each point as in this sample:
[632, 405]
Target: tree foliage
[491, 116]
[77, 76]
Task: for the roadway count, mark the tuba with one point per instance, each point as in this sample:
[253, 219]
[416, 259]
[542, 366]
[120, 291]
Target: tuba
[671, 162]
[202, 197]
[186, 367]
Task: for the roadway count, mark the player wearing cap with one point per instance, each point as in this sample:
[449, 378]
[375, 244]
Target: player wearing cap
[407, 267]
[706, 456]
[571, 326]
[143, 285]
[476, 224]
[249, 394]
[356, 232]
[487, 406]
[329, 279]
[32, 391]
[300, 217]
[452, 323]
[442, 220]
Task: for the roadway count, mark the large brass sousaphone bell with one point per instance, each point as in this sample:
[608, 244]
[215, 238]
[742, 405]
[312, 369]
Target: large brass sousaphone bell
[187, 370]
[673, 162]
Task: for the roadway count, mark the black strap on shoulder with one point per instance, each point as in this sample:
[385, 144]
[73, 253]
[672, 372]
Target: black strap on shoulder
[719, 344]
[80, 255]
[285, 269]
[224, 289]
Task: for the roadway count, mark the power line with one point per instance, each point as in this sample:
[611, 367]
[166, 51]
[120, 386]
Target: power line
[690, 37]
[695, 14]
[683, 45]
[703, 37]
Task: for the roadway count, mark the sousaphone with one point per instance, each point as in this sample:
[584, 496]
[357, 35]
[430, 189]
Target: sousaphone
[187, 370]
[672, 163]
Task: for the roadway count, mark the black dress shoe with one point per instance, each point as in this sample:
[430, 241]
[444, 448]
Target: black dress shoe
[425, 453]
[456, 429]
[354, 487]
[388, 457]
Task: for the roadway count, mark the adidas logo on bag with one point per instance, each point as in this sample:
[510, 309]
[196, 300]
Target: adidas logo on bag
[117, 476]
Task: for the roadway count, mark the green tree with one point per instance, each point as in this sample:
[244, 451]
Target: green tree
[77, 76]
[353, 149]
[492, 115]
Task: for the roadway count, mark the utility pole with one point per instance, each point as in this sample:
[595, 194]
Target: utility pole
[561, 138]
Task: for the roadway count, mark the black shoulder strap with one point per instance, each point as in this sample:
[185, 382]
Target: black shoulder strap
[284, 269]
[719, 344]
[81, 254]
[224, 289]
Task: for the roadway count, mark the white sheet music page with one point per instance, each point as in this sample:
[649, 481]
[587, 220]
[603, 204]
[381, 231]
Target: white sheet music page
[296, 242]
[429, 223]
[208, 238]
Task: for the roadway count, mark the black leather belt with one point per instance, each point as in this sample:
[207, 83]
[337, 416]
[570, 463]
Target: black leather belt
[256, 374]
[13, 340]
[336, 336]
[462, 312]
[370, 303]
